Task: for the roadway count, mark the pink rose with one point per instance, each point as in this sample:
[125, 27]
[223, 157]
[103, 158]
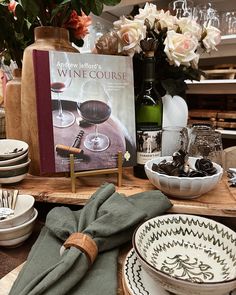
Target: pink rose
[180, 48]
[130, 33]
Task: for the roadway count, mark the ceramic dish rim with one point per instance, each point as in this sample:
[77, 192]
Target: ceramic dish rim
[217, 166]
[12, 160]
[5, 243]
[15, 228]
[10, 156]
[13, 167]
[19, 215]
[9, 180]
[173, 277]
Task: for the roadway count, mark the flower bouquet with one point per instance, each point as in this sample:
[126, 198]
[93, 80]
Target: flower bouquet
[19, 18]
[177, 43]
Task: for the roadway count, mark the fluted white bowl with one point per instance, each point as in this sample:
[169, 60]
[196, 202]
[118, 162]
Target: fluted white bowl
[188, 254]
[182, 187]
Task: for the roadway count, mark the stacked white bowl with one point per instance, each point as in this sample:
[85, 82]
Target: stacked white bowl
[14, 160]
[17, 227]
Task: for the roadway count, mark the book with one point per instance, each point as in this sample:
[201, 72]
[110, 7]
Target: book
[85, 106]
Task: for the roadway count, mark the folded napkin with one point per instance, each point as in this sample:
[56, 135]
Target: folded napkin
[110, 219]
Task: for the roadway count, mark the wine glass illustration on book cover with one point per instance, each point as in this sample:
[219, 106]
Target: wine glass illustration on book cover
[59, 83]
[94, 107]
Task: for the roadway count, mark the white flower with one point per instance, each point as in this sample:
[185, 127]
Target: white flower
[212, 39]
[166, 20]
[148, 12]
[130, 33]
[180, 48]
[187, 24]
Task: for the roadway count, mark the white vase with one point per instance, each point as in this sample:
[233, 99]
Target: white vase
[175, 111]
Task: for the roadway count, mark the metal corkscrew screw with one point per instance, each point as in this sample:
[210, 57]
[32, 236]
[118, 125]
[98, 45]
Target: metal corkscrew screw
[78, 138]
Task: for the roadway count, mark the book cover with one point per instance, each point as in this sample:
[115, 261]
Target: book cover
[85, 106]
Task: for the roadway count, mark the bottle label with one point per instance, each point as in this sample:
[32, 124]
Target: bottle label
[148, 144]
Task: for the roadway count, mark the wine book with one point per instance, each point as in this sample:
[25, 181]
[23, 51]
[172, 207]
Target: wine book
[85, 107]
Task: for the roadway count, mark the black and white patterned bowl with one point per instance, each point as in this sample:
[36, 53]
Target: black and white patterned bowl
[188, 254]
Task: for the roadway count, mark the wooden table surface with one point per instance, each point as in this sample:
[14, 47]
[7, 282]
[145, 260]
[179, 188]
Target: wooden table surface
[219, 202]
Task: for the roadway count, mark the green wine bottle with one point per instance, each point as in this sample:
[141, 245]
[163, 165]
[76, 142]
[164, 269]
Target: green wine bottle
[148, 114]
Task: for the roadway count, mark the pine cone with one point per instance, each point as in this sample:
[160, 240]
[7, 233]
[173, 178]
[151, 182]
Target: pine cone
[107, 44]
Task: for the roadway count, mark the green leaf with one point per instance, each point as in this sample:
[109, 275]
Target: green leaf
[174, 86]
[30, 7]
[96, 7]
[85, 5]
[76, 5]
[111, 2]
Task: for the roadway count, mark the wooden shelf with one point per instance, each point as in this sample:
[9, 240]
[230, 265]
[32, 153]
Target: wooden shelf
[221, 86]
[219, 202]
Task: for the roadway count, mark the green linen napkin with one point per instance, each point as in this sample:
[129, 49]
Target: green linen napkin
[110, 219]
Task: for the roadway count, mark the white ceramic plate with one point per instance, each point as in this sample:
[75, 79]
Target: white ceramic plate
[11, 148]
[136, 280]
[14, 160]
[14, 167]
[13, 179]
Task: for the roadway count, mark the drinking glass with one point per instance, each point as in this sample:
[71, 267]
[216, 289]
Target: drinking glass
[59, 83]
[181, 8]
[205, 142]
[173, 139]
[228, 20]
[94, 107]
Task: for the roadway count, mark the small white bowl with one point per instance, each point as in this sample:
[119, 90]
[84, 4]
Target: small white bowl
[22, 213]
[182, 187]
[11, 148]
[14, 161]
[14, 236]
[188, 254]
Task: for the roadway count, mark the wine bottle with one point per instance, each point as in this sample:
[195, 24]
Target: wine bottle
[148, 115]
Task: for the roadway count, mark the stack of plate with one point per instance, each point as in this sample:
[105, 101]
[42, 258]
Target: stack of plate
[14, 160]
[17, 224]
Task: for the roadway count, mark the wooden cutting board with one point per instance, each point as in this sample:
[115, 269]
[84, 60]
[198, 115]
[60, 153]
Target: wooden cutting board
[7, 281]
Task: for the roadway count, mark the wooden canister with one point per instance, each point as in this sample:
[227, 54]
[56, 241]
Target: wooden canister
[12, 105]
[46, 38]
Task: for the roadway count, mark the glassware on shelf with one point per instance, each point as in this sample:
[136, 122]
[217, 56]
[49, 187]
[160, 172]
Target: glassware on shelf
[228, 23]
[206, 14]
[59, 83]
[173, 139]
[181, 8]
[94, 107]
[205, 142]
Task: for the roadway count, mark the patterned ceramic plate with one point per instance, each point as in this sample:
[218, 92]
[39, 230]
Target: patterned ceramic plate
[136, 281]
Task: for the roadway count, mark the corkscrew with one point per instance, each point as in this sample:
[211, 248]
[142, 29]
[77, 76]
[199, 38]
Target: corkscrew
[65, 150]
[78, 138]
